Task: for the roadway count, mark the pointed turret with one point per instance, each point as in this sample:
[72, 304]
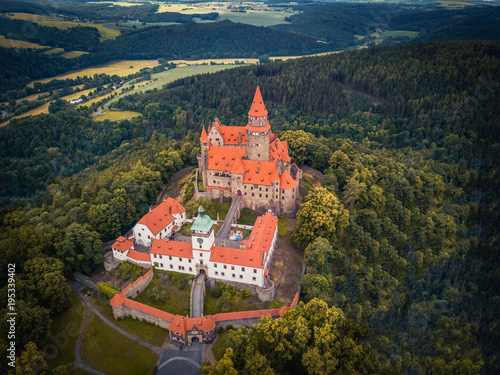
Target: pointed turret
[204, 137]
[258, 109]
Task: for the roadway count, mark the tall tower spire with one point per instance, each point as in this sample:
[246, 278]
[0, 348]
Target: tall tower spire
[258, 129]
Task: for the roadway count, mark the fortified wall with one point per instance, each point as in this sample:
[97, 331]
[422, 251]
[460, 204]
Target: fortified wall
[132, 290]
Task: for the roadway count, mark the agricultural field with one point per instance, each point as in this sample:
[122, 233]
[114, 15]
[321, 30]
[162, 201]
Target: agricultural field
[105, 32]
[113, 25]
[73, 54]
[454, 4]
[379, 37]
[14, 43]
[171, 75]
[53, 51]
[120, 68]
[35, 111]
[117, 115]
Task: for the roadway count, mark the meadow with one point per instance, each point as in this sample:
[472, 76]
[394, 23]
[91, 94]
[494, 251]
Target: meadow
[117, 115]
[14, 43]
[106, 33]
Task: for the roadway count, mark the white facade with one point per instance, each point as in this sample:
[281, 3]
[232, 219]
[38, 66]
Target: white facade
[144, 236]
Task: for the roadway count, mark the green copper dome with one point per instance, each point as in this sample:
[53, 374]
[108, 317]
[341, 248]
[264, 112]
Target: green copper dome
[203, 222]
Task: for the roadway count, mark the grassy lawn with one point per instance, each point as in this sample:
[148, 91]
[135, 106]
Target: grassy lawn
[200, 185]
[177, 301]
[282, 226]
[53, 51]
[220, 345]
[64, 332]
[248, 217]
[108, 351]
[238, 304]
[14, 43]
[144, 330]
[117, 115]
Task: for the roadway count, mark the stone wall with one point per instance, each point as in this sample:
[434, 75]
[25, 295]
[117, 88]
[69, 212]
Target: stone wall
[199, 194]
[86, 281]
[268, 293]
[139, 285]
[237, 323]
[125, 311]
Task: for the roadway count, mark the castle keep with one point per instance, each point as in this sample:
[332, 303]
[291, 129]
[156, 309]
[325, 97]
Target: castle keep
[249, 161]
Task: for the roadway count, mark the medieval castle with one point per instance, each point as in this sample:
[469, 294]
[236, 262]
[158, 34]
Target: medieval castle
[249, 161]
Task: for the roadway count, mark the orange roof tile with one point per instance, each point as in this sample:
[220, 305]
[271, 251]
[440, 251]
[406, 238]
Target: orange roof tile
[218, 188]
[238, 257]
[172, 248]
[245, 315]
[262, 234]
[209, 127]
[258, 109]
[287, 182]
[122, 244]
[279, 150]
[120, 299]
[238, 167]
[136, 281]
[203, 137]
[223, 158]
[231, 135]
[258, 128]
[137, 256]
[161, 215]
[260, 172]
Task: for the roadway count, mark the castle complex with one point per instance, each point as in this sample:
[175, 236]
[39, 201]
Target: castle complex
[249, 161]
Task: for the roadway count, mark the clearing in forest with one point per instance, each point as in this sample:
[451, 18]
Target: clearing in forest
[14, 43]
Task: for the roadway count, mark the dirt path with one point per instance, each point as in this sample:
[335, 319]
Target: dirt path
[172, 188]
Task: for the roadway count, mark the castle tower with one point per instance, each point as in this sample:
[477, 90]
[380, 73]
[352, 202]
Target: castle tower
[202, 231]
[258, 130]
[203, 162]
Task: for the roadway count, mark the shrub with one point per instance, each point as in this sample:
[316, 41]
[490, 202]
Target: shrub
[107, 290]
[128, 270]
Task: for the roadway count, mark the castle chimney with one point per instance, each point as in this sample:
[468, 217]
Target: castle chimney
[239, 137]
[258, 168]
[170, 209]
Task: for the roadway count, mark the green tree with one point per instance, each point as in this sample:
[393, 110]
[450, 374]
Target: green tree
[322, 215]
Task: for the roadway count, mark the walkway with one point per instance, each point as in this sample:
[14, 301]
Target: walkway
[181, 362]
[197, 296]
[226, 227]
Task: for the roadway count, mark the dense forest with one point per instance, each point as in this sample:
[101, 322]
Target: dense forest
[405, 256]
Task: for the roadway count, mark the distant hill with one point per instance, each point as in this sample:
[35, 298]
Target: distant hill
[221, 39]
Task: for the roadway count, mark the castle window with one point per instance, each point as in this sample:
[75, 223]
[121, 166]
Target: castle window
[253, 194]
[241, 277]
[242, 269]
[266, 195]
[169, 258]
[225, 267]
[180, 259]
[216, 273]
[232, 268]
[267, 189]
[190, 269]
[160, 256]
[260, 195]
[282, 198]
[215, 265]
[234, 276]
[189, 260]
[171, 267]
[254, 279]
[161, 265]
[254, 271]
[222, 273]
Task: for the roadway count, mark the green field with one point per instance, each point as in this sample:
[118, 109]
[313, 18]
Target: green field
[61, 341]
[14, 43]
[108, 351]
[171, 75]
[144, 330]
[73, 54]
[117, 115]
[399, 33]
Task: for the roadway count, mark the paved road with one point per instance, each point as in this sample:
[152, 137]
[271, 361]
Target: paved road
[226, 227]
[197, 303]
[181, 362]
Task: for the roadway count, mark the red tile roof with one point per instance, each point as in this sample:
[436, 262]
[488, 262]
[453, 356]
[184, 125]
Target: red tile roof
[172, 248]
[231, 135]
[238, 257]
[260, 172]
[181, 324]
[238, 167]
[262, 234]
[139, 257]
[258, 128]
[204, 137]
[119, 299]
[223, 158]
[136, 281]
[258, 109]
[287, 182]
[279, 150]
[161, 215]
[245, 315]
[122, 244]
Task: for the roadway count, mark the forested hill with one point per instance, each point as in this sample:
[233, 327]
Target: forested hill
[221, 39]
[403, 248]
